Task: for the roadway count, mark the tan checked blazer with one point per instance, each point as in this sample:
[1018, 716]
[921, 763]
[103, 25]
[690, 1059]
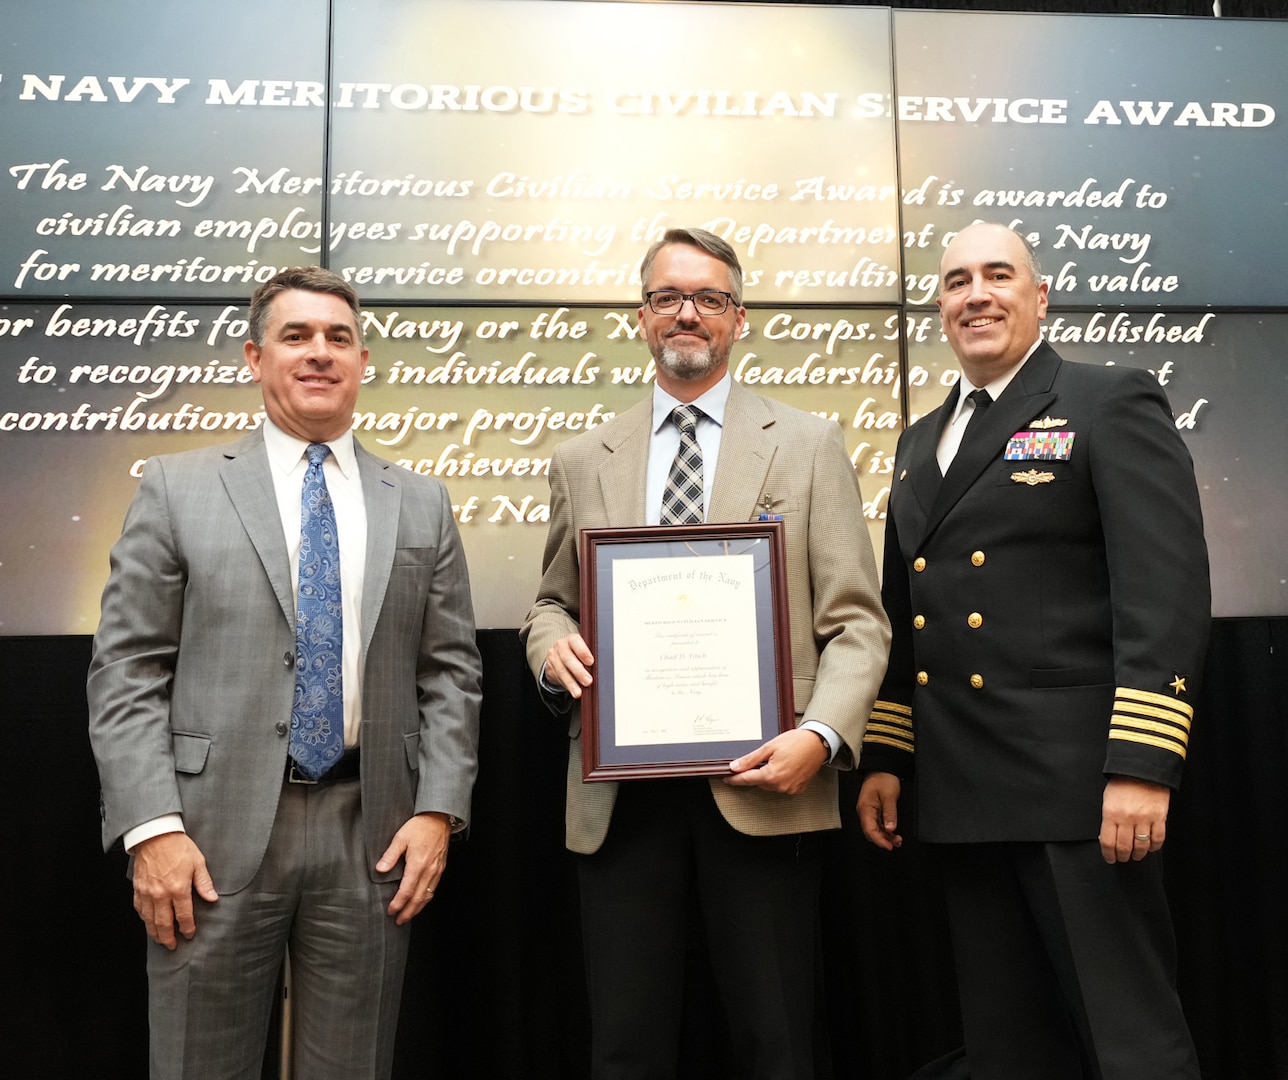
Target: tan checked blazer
[840, 635]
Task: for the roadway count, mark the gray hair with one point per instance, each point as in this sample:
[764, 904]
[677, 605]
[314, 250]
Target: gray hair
[1031, 258]
[704, 241]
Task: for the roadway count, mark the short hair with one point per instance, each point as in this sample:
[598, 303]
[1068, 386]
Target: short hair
[307, 279]
[1030, 257]
[705, 241]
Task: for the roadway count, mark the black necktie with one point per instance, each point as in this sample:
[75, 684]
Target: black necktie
[982, 401]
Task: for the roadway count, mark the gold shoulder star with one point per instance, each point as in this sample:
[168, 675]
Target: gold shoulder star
[1178, 684]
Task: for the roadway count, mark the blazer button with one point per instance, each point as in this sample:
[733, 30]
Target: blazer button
[919, 564]
[974, 620]
[288, 659]
[977, 558]
[280, 727]
[919, 622]
[922, 678]
[977, 681]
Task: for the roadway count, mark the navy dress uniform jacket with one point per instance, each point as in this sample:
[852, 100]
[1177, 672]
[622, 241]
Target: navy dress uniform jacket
[1049, 602]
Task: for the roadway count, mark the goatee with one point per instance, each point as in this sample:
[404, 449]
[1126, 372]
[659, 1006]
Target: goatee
[688, 365]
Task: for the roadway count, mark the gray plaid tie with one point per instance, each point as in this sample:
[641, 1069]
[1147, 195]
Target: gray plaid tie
[682, 499]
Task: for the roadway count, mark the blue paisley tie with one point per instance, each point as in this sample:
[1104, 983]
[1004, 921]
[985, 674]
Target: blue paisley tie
[317, 720]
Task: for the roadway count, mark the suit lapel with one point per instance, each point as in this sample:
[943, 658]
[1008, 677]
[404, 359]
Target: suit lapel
[623, 473]
[1027, 395]
[746, 452]
[921, 445]
[382, 496]
[249, 483]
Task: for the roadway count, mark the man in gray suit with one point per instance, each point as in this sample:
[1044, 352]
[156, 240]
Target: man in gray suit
[327, 832]
[742, 850]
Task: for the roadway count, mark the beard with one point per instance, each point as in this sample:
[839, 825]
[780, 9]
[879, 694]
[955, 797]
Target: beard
[691, 363]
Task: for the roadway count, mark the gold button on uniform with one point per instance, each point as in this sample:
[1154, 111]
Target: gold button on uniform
[977, 681]
[919, 622]
[922, 678]
[919, 564]
[974, 620]
[977, 558]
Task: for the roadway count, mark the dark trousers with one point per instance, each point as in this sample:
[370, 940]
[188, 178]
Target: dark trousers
[1066, 964]
[670, 860]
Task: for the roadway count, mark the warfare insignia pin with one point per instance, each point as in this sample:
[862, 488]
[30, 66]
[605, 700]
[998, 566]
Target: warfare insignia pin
[1049, 422]
[1032, 477]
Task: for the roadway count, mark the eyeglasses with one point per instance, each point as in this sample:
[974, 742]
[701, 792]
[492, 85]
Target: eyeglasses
[707, 302]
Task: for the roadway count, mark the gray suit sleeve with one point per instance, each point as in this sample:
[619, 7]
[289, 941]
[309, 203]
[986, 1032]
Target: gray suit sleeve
[133, 665]
[448, 680]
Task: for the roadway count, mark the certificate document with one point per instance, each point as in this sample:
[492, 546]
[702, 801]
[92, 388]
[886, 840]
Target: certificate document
[686, 650]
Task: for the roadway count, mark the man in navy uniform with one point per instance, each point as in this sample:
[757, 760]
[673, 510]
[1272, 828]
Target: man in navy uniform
[1046, 580]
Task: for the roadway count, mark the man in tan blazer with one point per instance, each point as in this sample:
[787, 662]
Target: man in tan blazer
[740, 853]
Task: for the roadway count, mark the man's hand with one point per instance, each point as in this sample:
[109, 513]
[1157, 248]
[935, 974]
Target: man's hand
[1134, 818]
[423, 842]
[166, 870]
[786, 764]
[568, 663]
[878, 808]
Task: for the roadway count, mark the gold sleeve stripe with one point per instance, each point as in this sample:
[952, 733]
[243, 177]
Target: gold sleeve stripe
[898, 744]
[1133, 723]
[884, 712]
[892, 730]
[892, 727]
[1122, 708]
[1148, 740]
[1125, 694]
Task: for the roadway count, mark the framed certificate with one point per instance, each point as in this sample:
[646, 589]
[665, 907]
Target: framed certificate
[688, 627]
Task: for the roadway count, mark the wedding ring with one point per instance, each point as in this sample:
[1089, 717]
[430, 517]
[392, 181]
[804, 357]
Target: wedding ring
[1144, 836]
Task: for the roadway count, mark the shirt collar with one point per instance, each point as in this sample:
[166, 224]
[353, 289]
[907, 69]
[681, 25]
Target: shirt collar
[994, 388]
[712, 403]
[285, 452]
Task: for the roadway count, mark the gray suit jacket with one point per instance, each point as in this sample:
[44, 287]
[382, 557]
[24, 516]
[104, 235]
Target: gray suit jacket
[839, 631]
[192, 678]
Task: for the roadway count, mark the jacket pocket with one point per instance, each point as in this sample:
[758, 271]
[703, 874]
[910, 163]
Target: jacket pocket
[802, 691]
[190, 751]
[1055, 678]
[411, 743]
[415, 556]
